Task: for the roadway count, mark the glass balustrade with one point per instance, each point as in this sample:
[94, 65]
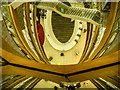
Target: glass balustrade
[83, 13]
[10, 27]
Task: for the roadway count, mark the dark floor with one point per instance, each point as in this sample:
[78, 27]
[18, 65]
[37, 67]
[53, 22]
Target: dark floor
[62, 27]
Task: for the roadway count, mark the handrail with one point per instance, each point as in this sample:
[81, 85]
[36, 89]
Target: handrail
[93, 42]
[111, 79]
[36, 34]
[19, 33]
[8, 79]
[11, 81]
[33, 83]
[25, 84]
[114, 46]
[108, 43]
[97, 84]
[16, 82]
[15, 33]
[26, 32]
[108, 83]
[108, 29]
[31, 35]
[106, 87]
[89, 34]
[20, 84]
[92, 16]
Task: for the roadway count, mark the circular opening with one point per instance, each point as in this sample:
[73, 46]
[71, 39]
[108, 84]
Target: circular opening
[62, 27]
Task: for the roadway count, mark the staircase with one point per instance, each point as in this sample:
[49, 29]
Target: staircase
[90, 15]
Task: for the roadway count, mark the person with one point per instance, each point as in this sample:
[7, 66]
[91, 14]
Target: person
[55, 87]
[71, 87]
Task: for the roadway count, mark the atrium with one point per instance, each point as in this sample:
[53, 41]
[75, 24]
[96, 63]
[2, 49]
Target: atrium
[70, 44]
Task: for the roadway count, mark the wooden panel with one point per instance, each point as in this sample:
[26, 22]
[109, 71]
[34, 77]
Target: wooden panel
[31, 34]
[113, 70]
[107, 65]
[93, 42]
[30, 63]
[36, 32]
[108, 59]
[8, 48]
[19, 33]
[89, 34]
[10, 70]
